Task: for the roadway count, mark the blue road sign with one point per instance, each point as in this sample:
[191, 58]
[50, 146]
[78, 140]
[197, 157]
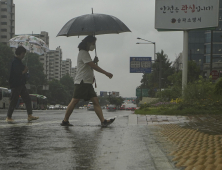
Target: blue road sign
[103, 93]
[140, 64]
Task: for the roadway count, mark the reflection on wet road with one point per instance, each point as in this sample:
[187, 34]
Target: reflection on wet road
[44, 144]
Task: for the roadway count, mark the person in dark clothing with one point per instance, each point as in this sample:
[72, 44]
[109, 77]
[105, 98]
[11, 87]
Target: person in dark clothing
[17, 81]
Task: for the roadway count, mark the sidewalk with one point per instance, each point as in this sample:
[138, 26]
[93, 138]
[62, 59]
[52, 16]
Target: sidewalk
[189, 142]
[157, 119]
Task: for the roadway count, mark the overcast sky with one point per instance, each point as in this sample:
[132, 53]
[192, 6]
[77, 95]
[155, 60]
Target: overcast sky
[113, 50]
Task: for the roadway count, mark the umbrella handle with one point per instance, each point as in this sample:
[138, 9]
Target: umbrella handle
[96, 55]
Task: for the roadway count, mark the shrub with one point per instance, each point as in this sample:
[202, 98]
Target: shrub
[145, 105]
[169, 94]
[201, 89]
[218, 87]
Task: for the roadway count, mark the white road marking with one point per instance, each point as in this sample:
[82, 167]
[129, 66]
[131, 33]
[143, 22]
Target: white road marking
[16, 124]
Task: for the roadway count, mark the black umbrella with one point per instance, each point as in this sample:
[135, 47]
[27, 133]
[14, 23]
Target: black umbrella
[93, 24]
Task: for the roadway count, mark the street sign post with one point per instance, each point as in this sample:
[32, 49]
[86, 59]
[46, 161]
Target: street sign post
[185, 15]
[103, 93]
[140, 64]
[144, 92]
[138, 92]
[214, 74]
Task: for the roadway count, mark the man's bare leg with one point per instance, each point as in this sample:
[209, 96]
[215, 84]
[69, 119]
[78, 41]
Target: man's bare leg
[97, 108]
[70, 108]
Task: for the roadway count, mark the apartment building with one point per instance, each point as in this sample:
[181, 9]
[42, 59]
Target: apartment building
[55, 61]
[7, 21]
[44, 59]
[73, 72]
[66, 67]
[200, 45]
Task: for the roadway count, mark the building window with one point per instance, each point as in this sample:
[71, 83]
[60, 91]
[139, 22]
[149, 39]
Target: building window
[3, 23]
[4, 9]
[3, 16]
[3, 30]
[4, 36]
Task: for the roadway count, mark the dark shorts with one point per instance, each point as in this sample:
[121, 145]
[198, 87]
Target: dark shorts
[84, 91]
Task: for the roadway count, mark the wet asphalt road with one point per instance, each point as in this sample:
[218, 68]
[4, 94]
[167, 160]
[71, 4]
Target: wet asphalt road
[45, 145]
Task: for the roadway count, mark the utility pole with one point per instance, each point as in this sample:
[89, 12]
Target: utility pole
[141, 92]
[185, 60]
[211, 51]
[160, 66]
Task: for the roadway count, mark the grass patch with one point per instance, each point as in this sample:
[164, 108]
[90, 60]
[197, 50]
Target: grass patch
[175, 111]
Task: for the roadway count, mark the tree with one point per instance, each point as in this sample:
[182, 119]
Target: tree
[151, 80]
[165, 68]
[176, 78]
[118, 101]
[57, 93]
[6, 57]
[68, 85]
[36, 76]
[193, 72]
[103, 101]
[67, 82]
[192, 76]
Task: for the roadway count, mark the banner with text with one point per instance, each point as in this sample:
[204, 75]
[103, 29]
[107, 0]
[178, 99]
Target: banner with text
[186, 14]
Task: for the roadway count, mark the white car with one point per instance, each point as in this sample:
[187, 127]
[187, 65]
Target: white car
[51, 107]
[64, 107]
[90, 106]
[57, 107]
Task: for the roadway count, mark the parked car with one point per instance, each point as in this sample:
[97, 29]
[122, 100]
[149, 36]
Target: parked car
[103, 107]
[130, 107]
[81, 107]
[111, 108]
[127, 108]
[57, 107]
[122, 108]
[64, 107]
[51, 107]
[90, 106]
[22, 106]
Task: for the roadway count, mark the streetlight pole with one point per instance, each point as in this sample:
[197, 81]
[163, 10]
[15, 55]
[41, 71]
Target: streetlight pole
[150, 42]
[155, 58]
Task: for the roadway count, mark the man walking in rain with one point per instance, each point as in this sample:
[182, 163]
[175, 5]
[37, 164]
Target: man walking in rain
[17, 81]
[84, 79]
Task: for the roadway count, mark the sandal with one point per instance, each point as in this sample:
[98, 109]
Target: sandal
[32, 118]
[9, 120]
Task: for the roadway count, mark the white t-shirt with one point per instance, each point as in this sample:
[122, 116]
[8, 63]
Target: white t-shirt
[84, 71]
